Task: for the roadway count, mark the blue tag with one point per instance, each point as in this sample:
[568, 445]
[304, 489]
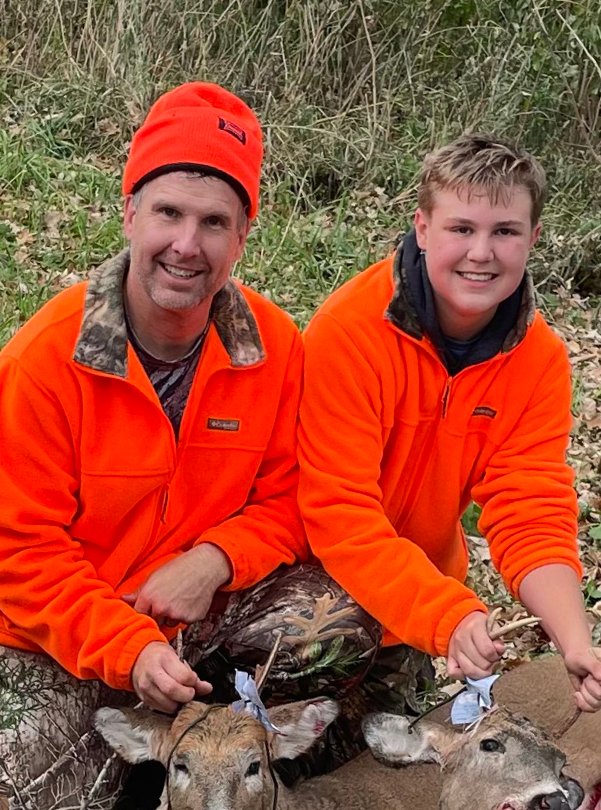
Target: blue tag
[469, 706]
[251, 702]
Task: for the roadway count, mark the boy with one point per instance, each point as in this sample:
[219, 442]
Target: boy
[430, 380]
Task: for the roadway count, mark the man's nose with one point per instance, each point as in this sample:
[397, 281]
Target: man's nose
[186, 240]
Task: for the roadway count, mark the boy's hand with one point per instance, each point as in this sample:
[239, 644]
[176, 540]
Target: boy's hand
[162, 681]
[584, 669]
[472, 652]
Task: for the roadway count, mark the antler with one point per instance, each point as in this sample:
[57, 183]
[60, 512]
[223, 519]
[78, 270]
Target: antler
[507, 628]
[261, 672]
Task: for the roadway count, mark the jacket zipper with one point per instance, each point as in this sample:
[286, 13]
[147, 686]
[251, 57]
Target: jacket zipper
[445, 397]
[165, 504]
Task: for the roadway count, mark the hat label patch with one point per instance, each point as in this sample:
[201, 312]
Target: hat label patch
[233, 129]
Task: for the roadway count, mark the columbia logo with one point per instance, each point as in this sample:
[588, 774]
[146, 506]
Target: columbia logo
[233, 129]
[482, 410]
[223, 424]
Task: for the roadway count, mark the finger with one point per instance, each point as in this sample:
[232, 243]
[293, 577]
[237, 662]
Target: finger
[179, 670]
[155, 699]
[129, 598]
[202, 688]
[173, 689]
[453, 668]
[472, 669]
[486, 648]
[585, 704]
[591, 691]
[469, 653]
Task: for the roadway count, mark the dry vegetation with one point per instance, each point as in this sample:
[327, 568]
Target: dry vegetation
[351, 94]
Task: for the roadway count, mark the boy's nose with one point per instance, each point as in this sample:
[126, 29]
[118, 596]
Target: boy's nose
[480, 250]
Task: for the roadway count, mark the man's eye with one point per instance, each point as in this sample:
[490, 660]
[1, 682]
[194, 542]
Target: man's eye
[214, 222]
[171, 213]
[253, 769]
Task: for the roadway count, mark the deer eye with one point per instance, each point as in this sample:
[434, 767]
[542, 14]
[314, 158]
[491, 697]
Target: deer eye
[180, 767]
[253, 769]
[491, 745]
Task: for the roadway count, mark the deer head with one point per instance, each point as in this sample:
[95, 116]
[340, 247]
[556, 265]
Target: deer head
[221, 761]
[503, 763]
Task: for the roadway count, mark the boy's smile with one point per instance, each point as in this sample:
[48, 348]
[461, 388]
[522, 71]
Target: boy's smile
[476, 254]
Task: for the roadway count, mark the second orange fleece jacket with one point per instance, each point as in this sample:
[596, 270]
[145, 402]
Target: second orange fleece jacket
[392, 450]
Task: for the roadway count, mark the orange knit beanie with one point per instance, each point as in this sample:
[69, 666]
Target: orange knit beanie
[199, 126]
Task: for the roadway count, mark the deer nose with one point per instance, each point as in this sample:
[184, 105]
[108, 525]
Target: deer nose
[551, 801]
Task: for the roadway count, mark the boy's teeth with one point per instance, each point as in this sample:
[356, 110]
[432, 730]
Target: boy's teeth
[478, 276]
[175, 271]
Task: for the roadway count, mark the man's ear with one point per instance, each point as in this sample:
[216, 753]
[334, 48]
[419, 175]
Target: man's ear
[129, 212]
[421, 225]
[136, 735]
[300, 725]
[393, 742]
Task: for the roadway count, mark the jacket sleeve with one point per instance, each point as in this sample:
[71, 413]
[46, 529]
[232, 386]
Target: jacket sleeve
[268, 531]
[340, 451]
[50, 593]
[529, 506]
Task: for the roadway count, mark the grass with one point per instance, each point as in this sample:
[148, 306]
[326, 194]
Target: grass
[351, 96]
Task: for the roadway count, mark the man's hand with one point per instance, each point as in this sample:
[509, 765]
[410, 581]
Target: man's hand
[472, 652]
[181, 591]
[584, 669]
[162, 681]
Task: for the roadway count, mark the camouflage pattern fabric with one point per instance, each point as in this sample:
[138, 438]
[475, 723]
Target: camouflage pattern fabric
[49, 755]
[51, 759]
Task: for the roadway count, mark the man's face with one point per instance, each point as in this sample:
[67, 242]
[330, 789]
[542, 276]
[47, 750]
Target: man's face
[476, 255]
[186, 233]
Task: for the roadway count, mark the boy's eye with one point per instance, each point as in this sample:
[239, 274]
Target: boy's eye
[463, 229]
[506, 232]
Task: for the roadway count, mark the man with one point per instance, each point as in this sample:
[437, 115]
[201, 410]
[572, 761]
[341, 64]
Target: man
[431, 380]
[147, 420]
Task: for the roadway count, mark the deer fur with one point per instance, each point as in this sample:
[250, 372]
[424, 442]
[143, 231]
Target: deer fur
[212, 767]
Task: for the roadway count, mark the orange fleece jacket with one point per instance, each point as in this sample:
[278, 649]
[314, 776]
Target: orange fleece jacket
[95, 494]
[392, 450]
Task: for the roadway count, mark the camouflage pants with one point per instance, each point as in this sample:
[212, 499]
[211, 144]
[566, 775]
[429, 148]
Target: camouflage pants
[51, 759]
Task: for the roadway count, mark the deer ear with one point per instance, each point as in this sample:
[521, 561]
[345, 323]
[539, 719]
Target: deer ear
[393, 742]
[300, 724]
[136, 735]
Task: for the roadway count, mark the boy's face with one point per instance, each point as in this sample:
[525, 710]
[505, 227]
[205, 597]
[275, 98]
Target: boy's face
[476, 255]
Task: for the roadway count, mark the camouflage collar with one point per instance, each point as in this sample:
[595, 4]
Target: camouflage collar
[402, 311]
[102, 341]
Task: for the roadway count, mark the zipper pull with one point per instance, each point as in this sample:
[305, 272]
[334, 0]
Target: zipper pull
[445, 397]
[165, 503]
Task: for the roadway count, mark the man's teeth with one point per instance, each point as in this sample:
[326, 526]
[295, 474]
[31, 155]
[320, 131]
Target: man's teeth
[176, 271]
[478, 276]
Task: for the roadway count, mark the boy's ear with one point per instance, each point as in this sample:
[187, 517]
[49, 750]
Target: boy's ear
[535, 234]
[420, 223]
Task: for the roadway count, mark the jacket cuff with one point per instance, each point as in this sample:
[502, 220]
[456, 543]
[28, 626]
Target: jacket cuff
[120, 676]
[446, 626]
[239, 563]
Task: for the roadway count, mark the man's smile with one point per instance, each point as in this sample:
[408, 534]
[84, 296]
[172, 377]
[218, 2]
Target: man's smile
[179, 272]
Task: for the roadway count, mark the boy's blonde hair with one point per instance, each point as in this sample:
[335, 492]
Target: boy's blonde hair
[478, 162]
